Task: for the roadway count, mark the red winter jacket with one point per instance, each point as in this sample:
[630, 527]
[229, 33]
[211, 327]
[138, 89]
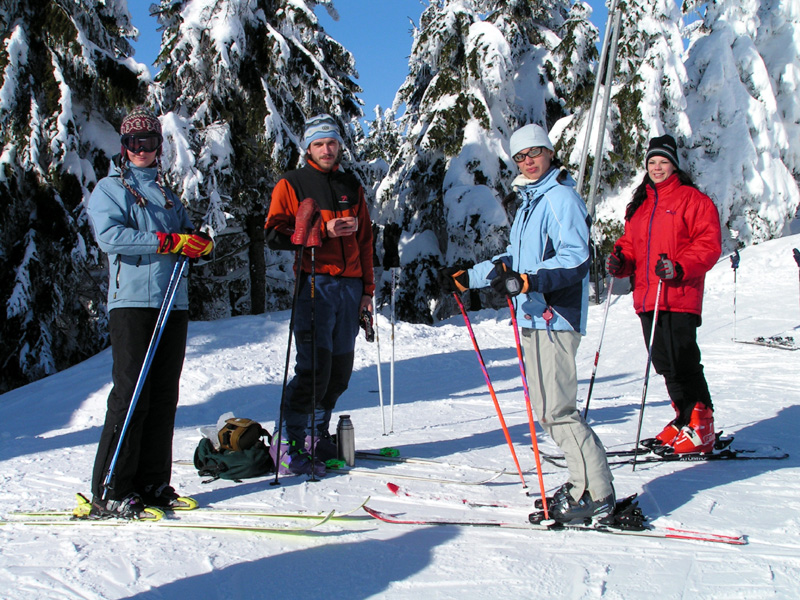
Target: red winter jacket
[683, 223]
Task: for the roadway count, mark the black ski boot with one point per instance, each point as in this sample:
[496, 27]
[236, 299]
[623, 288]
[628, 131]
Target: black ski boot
[165, 497]
[130, 508]
[583, 510]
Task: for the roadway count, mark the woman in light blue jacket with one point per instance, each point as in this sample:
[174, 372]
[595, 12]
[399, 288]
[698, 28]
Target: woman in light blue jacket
[143, 227]
[545, 270]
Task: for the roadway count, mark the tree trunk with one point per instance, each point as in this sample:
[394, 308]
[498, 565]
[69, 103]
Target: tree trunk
[258, 265]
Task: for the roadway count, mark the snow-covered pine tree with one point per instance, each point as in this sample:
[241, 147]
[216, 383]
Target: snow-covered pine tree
[647, 100]
[67, 79]
[238, 79]
[738, 135]
[778, 42]
[574, 57]
[476, 72]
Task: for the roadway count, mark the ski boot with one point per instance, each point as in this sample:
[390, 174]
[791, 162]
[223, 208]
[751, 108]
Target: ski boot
[165, 497]
[584, 510]
[698, 436]
[324, 447]
[668, 434]
[293, 460]
[557, 497]
[130, 508]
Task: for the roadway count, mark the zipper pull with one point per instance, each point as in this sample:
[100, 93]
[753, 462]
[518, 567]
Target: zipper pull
[547, 315]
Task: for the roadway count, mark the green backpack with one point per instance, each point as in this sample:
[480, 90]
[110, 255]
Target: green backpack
[255, 461]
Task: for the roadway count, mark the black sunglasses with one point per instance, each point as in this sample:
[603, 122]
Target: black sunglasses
[532, 153]
[141, 143]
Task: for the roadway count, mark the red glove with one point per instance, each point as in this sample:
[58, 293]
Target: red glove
[170, 242]
[193, 245]
[197, 245]
[307, 223]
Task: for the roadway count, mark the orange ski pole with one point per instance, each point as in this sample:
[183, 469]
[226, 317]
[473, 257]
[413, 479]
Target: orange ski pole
[491, 388]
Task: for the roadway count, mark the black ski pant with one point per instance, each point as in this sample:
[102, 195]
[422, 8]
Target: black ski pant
[676, 356]
[145, 457]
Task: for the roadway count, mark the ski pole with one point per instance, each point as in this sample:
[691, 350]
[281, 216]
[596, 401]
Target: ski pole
[391, 369]
[647, 368]
[313, 360]
[796, 253]
[491, 388]
[734, 265]
[526, 393]
[599, 345]
[378, 348]
[297, 262]
[158, 330]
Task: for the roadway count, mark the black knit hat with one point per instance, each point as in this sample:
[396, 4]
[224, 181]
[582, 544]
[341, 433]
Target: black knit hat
[663, 146]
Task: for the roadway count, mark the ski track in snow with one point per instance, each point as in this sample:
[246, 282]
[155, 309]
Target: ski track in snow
[48, 432]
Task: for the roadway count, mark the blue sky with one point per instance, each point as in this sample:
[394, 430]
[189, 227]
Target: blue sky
[376, 32]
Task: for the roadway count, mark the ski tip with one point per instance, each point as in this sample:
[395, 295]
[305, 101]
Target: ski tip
[186, 503]
[393, 487]
[151, 514]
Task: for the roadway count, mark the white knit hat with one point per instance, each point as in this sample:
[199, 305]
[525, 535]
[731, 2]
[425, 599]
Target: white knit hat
[529, 136]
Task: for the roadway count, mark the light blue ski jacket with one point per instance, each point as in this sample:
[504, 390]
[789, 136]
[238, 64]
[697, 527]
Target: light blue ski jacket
[138, 276]
[549, 241]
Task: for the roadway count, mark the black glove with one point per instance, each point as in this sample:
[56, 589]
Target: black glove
[507, 281]
[453, 279]
[668, 269]
[365, 322]
[615, 261]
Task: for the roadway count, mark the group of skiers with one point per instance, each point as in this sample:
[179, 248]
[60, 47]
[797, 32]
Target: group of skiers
[671, 239]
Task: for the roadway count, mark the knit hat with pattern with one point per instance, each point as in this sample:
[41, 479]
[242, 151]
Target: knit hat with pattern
[140, 120]
[319, 127]
[663, 146]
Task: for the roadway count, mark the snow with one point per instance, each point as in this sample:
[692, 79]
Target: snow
[442, 410]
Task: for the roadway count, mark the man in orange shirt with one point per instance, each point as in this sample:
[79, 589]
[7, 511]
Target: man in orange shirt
[344, 285]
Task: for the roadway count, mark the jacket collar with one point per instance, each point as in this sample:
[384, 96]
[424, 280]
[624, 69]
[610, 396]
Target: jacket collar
[669, 184]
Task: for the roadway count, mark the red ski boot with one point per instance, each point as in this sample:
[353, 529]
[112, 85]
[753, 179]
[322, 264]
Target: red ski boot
[671, 431]
[698, 436]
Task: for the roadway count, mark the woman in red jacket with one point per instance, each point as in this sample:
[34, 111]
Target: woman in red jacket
[672, 234]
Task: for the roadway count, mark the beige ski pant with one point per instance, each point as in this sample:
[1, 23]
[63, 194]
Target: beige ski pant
[553, 387]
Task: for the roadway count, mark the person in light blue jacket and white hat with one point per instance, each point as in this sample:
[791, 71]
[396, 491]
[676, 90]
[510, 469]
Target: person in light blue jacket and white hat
[143, 228]
[545, 270]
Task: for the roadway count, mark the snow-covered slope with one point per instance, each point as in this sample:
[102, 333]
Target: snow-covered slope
[441, 410]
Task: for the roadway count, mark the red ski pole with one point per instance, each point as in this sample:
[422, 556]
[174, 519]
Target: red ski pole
[528, 406]
[491, 388]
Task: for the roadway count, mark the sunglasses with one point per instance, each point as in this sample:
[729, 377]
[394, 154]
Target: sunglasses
[532, 153]
[146, 143]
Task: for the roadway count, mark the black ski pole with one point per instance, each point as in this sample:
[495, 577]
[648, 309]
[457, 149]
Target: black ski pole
[599, 345]
[734, 265]
[161, 321]
[647, 368]
[796, 253]
[313, 361]
[298, 257]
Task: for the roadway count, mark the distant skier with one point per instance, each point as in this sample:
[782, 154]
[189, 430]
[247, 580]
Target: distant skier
[143, 227]
[669, 215]
[341, 231]
[546, 271]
